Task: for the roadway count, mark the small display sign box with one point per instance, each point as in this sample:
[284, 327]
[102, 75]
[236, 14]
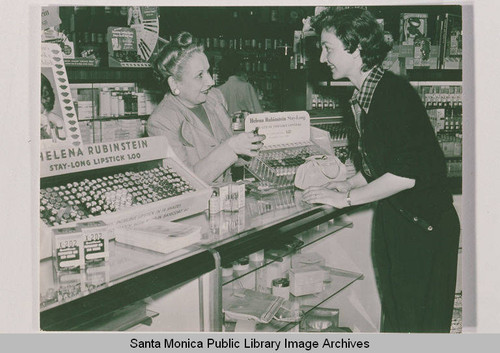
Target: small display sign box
[67, 245]
[287, 145]
[122, 48]
[95, 240]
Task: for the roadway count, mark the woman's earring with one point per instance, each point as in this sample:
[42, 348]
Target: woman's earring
[176, 92]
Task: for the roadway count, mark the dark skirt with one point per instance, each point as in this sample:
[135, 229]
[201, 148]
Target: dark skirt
[415, 269]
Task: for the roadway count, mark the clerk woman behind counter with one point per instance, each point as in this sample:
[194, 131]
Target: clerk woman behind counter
[416, 229]
[193, 115]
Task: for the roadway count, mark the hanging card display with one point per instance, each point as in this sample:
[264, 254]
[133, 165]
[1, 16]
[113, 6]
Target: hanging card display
[58, 120]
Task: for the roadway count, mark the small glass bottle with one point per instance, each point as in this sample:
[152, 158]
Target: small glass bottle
[238, 123]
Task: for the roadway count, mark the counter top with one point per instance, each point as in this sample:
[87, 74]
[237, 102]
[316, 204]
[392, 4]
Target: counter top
[133, 274]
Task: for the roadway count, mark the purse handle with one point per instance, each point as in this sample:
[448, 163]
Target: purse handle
[316, 161]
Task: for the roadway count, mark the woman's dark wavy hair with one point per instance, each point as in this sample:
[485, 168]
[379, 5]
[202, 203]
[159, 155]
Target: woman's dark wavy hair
[355, 27]
[174, 55]
[50, 104]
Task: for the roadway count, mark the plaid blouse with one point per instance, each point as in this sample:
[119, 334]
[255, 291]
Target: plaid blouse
[361, 100]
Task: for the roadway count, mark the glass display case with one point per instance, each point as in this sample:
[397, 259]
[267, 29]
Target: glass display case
[116, 294]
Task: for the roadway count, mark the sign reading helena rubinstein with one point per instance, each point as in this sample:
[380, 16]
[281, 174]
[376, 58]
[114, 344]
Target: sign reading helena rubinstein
[281, 127]
[66, 159]
[69, 159]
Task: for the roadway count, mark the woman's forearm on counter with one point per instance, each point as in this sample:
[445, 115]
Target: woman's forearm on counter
[381, 188]
[357, 180]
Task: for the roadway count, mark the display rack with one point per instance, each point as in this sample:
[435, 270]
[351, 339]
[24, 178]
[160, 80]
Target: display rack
[68, 165]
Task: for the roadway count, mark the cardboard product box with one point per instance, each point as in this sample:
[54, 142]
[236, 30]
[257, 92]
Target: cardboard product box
[239, 189]
[159, 235]
[306, 280]
[96, 235]
[236, 221]
[84, 110]
[224, 192]
[67, 248]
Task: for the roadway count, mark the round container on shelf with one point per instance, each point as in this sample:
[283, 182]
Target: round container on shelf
[227, 271]
[242, 264]
[281, 287]
[257, 256]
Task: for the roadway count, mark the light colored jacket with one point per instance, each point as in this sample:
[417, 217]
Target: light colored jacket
[240, 95]
[209, 156]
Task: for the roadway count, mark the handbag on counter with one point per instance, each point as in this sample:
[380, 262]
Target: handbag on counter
[319, 170]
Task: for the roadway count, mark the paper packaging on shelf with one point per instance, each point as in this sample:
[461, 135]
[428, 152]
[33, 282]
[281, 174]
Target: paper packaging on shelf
[84, 109]
[67, 245]
[306, 280]
[65, 160]
[307, 259]
[95, 240]
[248, 304]
[224, 192]
[239, 189]
[231, 196]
